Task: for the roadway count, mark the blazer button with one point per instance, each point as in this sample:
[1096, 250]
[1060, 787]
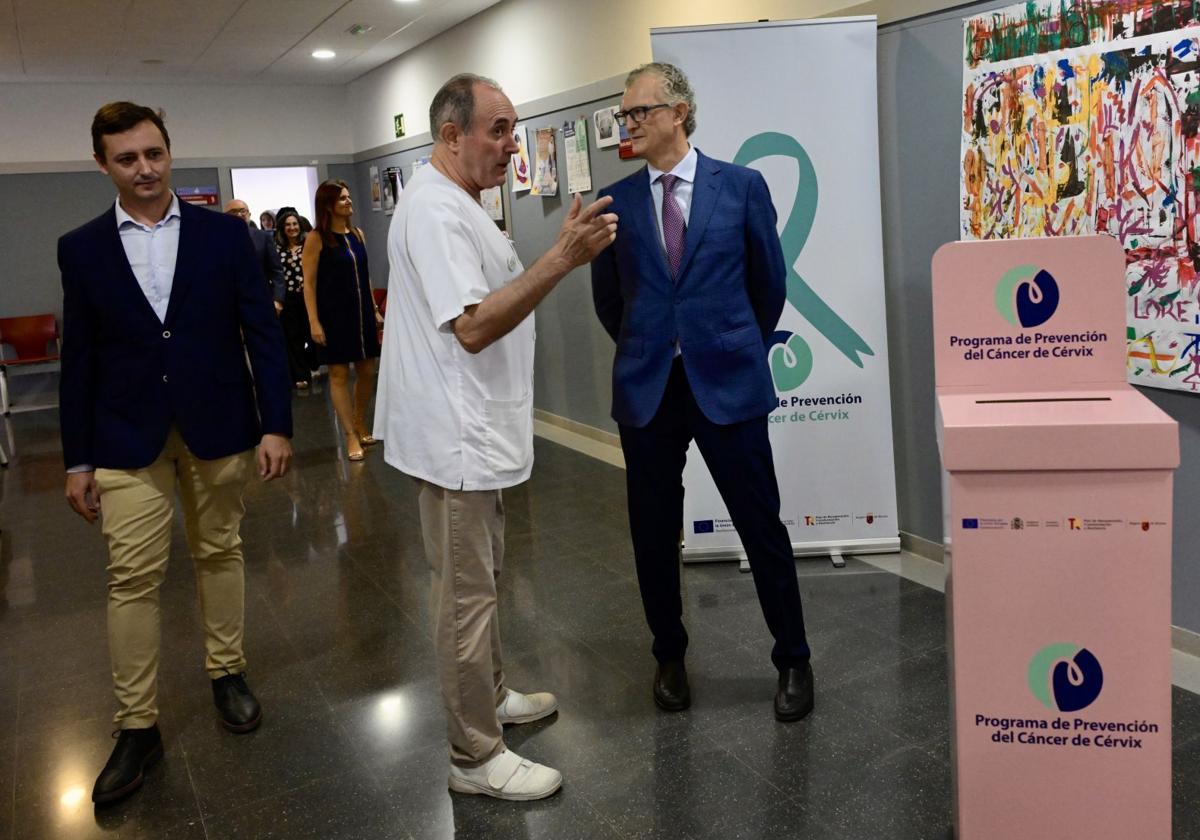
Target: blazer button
[164, 377]
[166, 333]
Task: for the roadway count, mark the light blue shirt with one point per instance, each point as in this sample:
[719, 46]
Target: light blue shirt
[151, 252]
[685, 171]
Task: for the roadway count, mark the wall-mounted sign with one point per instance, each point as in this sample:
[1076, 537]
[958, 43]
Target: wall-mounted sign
[398, 122]
[202, 196]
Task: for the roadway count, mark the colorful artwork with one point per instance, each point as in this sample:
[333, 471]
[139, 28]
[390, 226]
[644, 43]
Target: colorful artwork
[522, 178]
[1043, 26]
[1098, 138]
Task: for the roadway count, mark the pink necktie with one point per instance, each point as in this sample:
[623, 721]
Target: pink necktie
[672, 223]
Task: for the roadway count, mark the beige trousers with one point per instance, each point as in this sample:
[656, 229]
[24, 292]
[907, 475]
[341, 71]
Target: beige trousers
[464, 543]
[136, 511]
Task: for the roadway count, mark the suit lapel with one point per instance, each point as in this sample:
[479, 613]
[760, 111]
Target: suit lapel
[190, 239]
[704, 198]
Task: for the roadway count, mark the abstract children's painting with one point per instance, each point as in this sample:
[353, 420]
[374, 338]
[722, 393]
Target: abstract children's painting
[1083, 116]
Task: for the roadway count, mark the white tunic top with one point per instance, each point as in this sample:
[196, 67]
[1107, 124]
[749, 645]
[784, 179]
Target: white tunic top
[454, 419]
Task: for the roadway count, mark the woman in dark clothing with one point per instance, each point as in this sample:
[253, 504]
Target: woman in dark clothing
[342, 316]
[293, 315]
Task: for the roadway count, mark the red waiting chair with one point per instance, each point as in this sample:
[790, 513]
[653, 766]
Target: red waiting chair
[380, 296]
[30, 337]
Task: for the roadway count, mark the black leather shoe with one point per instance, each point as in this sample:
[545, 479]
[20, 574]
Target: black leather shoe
[239, 710]
[794, 699]
[135, 751]
[671, 691]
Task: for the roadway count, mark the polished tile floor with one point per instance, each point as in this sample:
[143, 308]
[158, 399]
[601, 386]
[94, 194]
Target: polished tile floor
[352, 745]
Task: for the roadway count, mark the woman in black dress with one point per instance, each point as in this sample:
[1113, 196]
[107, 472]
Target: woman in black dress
[342, 316]
[293, 315]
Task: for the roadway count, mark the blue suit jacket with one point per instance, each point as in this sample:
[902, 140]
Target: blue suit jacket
[722, 307]
[128, 377]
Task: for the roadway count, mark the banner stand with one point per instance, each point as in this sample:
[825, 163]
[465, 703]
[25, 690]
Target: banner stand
[811, 129]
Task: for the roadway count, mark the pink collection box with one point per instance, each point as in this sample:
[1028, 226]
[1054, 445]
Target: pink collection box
[1058, 591]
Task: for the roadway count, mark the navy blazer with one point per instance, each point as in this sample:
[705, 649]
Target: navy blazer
[722, 307]
[128, 377]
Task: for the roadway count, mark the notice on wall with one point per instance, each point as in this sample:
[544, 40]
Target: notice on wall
[493, 202]
[376, 190]
[607, 134]
[419, 164]
[522, 178]
[579, 167]
[393, 184]
[545, 167]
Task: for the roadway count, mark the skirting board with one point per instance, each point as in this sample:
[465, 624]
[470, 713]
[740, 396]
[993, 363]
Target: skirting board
[889, 545]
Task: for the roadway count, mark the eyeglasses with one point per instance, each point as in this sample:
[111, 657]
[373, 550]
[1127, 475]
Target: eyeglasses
[638, 114]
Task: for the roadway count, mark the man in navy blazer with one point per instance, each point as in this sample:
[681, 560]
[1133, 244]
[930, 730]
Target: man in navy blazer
[162, 304]
[690, 291]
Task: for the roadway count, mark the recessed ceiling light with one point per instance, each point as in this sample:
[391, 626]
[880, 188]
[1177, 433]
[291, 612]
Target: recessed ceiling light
[323, 54]
[407, 1]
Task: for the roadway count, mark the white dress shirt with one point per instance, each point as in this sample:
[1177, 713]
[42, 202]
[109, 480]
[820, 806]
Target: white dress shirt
[685, 171]
[151, 252]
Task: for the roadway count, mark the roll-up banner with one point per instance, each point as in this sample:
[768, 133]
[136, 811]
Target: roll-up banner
[797, 101]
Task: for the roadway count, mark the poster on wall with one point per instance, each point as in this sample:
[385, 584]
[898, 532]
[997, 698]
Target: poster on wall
[1083, 117]
[831, 433]
[393, 184]
[579, 167]
[376, 190]
[493, 202]
[605, 123]
[545, 166]
[522, 178]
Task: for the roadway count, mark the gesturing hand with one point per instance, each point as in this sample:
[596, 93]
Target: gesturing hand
[586, 232]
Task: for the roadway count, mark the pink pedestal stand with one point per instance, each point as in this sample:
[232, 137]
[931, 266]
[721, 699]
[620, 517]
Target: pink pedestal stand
[1058, 479]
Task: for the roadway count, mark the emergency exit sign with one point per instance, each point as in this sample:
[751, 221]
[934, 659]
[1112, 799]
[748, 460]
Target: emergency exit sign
[398, 121]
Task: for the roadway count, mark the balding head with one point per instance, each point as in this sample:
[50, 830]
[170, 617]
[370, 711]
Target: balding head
[238, 208]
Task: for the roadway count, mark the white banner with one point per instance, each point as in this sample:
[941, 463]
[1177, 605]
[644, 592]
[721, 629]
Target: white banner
[797, 101]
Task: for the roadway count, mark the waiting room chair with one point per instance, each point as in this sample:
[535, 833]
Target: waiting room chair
[29, 336]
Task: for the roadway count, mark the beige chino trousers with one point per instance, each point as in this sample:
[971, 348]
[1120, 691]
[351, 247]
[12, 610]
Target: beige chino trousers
[136, 511]
[464, 544]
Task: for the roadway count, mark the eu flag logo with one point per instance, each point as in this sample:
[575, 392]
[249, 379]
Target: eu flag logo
[970, 523]
[702, 526]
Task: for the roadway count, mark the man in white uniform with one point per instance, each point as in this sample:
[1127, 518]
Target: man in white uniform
[455, 409]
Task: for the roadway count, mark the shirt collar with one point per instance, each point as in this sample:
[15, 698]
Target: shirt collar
[124, 218]
[685, 170]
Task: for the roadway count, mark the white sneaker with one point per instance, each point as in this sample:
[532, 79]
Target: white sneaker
[507, 776]
[526, 708]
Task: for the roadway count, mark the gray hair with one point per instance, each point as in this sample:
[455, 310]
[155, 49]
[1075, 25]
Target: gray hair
[676, 87]
[455, 102]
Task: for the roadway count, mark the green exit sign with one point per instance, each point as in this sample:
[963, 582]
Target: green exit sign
[398, 121]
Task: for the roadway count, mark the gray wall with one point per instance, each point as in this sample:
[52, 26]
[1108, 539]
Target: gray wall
[574, 355]
[920, 91]
[35, 210]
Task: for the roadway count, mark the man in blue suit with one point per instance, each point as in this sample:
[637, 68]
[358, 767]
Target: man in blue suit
[690, 291]
[162, 304]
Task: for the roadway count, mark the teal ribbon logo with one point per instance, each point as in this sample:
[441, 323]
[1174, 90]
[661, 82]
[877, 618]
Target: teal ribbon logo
[792, 367]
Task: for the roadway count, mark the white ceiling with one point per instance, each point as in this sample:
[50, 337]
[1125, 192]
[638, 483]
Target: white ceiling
[240, 41]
